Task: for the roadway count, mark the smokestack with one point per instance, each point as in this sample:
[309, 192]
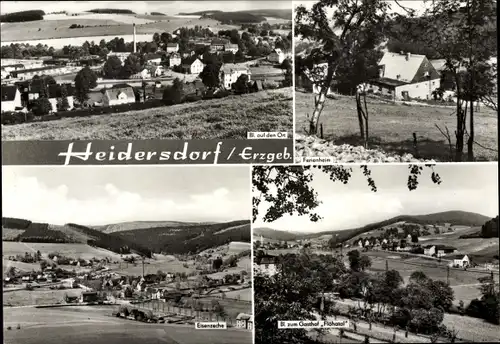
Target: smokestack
[135, 43]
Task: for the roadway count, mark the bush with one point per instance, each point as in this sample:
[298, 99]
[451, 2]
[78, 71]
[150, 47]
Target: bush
[222, 94]
[192, 98]
[270, 85]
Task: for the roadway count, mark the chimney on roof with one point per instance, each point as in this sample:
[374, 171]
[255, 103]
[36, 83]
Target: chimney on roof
[408, 55]
[135, 43]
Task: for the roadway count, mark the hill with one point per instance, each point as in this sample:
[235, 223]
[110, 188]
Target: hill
[224, 118]
[126, 226]
[274, 234]
[28, 231]
[275, 13]
[451, 217]
[188, 239]
[23, 16]
[111, 11]
[488, 230]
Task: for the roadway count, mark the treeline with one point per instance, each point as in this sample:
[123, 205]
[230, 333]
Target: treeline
[235, 17]
[111, 11]
[157, 14]
[109, 242]
[23, 16]
[488, 230]
[191, 239]
[14, 223]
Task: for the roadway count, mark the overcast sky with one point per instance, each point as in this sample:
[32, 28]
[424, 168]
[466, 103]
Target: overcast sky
[140, 7]
[471, 187]
[106, 195]
[417, 5]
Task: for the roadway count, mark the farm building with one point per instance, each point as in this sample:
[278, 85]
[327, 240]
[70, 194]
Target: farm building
[461, 261]
[217, 45]
[438, 250]
[118, 95]
[121, 56]
[143, 74]
[172, 47]
[277, 56]
[231, 47]
[174, 60]
[11, 98]
[89, 296]
[405, 76]
[192, 66]
[267, 264]
[24, 74]
[230, 72]
[153, 59]
[244, 321]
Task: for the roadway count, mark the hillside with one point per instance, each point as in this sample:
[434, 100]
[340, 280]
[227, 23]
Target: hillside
[274, 234]
[186, 239]
[224, 118]
[126, 226]
[243, 17]
[451, 217]
[28, 231]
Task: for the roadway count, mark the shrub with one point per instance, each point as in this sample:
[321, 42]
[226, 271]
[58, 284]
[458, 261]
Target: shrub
[270, 85]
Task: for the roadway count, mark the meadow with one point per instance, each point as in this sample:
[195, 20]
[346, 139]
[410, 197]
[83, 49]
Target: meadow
[37, 296]
[11, 248]
[227, 118]
[392, 125]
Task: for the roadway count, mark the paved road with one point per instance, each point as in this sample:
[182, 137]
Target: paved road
[82, 325]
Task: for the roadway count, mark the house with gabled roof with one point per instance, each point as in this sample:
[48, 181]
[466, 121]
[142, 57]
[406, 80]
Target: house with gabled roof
[174, 60]
[231, 48]
[118, 95]
[11, 98]
[404, 76]
[244, 321]
[192, 65]
[172, 47]
[266, 264]
[230, 72]
[276, 56]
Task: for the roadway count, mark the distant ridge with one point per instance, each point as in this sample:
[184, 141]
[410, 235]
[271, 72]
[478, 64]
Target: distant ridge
[454, 217]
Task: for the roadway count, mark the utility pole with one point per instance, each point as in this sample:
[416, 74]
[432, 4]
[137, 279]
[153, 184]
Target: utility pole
[386, 265]
[448, 275]
[142, 266]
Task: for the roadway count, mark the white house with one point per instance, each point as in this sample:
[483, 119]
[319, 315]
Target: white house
[156, 70]
[403, 76]
[172, 47]
[118, 95]
[462, 261]
[174, 60]
[430, 250]
[231, 47]
[230, 72]
[267, 265]
[11, 98]
[192, 66]
[143, 74]
[54, 96]
[244, 321]
[276, 56]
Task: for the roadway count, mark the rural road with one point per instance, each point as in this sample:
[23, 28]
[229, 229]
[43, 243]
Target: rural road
[94, 325]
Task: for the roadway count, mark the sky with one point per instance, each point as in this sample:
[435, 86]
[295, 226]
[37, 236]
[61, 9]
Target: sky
[471, 187]
[140, 7]
[417, 5]
[90, 195]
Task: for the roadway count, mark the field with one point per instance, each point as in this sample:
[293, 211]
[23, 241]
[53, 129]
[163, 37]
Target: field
[244, 294]
[38, 296]
[112, 25]
[227, 118]
[151, 266]
[11, 248]
[81, 325]
[392, 125]
[127, 226]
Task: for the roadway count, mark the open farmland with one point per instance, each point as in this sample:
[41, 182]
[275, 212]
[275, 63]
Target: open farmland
[392, 125]
[209, 119]
[151, 266]
[37, 296]
[242, 294]
[82, 325]
[83, 251]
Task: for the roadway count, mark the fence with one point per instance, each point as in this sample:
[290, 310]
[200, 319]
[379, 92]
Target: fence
[166, 308]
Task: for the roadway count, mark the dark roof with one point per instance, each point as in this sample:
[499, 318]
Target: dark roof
[266, 259]
[8, 93]
[54, 91]
[153, 56]
[171, 45]
[188, 61]
[89, 293]
[388, 82]
[35, 70]
[14, 65]
[218, 41]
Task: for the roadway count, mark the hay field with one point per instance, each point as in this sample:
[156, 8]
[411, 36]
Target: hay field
[227, 118]
[392, 126]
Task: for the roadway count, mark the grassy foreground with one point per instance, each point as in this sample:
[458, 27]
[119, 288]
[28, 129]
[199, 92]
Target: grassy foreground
[392, 125]
[227, 118]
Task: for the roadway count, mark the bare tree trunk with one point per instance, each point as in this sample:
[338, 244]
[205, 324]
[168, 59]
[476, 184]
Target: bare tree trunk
[360, 116]
[459, 133]
[470, 141]
[319, 104]
[366, 120]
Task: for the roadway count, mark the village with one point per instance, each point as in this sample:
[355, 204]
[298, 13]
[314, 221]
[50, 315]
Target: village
[185, 65]
[170, 297]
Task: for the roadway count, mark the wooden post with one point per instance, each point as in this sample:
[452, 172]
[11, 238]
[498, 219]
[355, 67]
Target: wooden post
[321, 130]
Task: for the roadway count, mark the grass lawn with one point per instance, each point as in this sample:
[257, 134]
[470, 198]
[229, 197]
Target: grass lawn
[11, 248]
[227, 118]
[392, 125]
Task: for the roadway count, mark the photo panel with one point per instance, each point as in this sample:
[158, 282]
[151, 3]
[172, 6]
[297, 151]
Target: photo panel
[207, 77]
[395, 81]
[380, 253]
[124, 255]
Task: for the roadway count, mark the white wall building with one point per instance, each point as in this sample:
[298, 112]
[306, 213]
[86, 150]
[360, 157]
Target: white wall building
[230, 72]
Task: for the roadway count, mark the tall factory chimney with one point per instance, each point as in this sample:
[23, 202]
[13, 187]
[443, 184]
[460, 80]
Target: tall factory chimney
[135, 43]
